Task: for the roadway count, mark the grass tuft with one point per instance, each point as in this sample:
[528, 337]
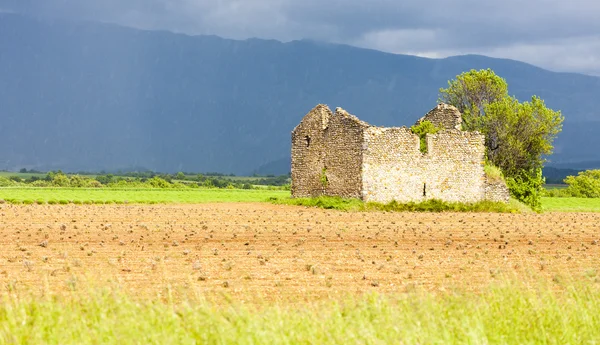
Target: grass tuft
[326, 202]
[493, 173]
[432, 205]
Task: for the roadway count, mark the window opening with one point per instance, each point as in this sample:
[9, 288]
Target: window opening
[307, 139]
[424, 190]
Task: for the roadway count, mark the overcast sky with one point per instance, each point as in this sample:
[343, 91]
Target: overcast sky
[561, 35]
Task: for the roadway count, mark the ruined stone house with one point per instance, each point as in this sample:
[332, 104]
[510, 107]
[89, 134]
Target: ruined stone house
[339, 155]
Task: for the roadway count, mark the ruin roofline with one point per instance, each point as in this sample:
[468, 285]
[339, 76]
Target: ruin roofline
[326, 113]
[337, 154]
[321, 109]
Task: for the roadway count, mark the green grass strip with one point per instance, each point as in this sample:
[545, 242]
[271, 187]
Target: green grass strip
[342, 204]
[510, 314]
[140, 196]
[550, 204]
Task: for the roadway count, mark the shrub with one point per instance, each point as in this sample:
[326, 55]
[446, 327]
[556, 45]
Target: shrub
[179, 185]
[528, 188]
[77, 181]
[94, 184]
[4, 182]
[15, 179]
[585, 185]
[157, 182]
[105, 179]
[61, 180]
[40, 183]
[422, 129]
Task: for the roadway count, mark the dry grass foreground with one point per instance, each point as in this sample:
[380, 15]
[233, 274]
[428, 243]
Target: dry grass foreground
[284, 253]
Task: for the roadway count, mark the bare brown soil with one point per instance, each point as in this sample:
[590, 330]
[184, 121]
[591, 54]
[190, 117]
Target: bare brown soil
[276, 252]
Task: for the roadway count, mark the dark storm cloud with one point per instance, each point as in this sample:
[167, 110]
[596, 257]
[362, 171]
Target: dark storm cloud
[557, 34]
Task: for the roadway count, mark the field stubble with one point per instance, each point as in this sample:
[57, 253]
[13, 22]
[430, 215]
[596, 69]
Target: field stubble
[257, 252]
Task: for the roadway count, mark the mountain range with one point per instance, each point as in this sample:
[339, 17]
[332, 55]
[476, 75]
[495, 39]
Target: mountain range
[93, 96]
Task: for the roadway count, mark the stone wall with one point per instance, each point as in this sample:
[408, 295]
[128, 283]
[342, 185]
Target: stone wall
[343, 155]
[327, 154]
[395, 169]
[308, 152]
[444, 116]
[337, 154]
[496, 190]
[392, 166]
[453, 166]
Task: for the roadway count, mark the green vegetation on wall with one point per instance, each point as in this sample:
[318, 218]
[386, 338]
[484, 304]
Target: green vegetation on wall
[493, 173]
[324, 180]
[422, 129]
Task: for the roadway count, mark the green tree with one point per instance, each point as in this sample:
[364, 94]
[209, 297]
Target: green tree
[180, 176]
[5, 182]
[471, 91]
[77, 181]
[518, 136]
[61, 180]
[157, 182]
[585, 185]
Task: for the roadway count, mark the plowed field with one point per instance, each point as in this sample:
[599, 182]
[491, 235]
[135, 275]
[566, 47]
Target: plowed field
[278, 252]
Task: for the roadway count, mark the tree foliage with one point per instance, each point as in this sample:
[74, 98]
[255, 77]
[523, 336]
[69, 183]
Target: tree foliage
[6, 182]
[527, 186]
[585, 185]
[471, 91]
[518, 135]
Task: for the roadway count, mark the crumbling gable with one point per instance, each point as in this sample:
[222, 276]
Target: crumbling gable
[308, 152]
[337, 154]
[444, 116]
[326, 154]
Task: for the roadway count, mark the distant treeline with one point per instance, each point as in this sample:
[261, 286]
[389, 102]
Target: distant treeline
[558, 175]
[586, 184]
[142, 180]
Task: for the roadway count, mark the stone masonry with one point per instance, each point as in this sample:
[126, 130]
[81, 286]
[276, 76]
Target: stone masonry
[339, 155]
